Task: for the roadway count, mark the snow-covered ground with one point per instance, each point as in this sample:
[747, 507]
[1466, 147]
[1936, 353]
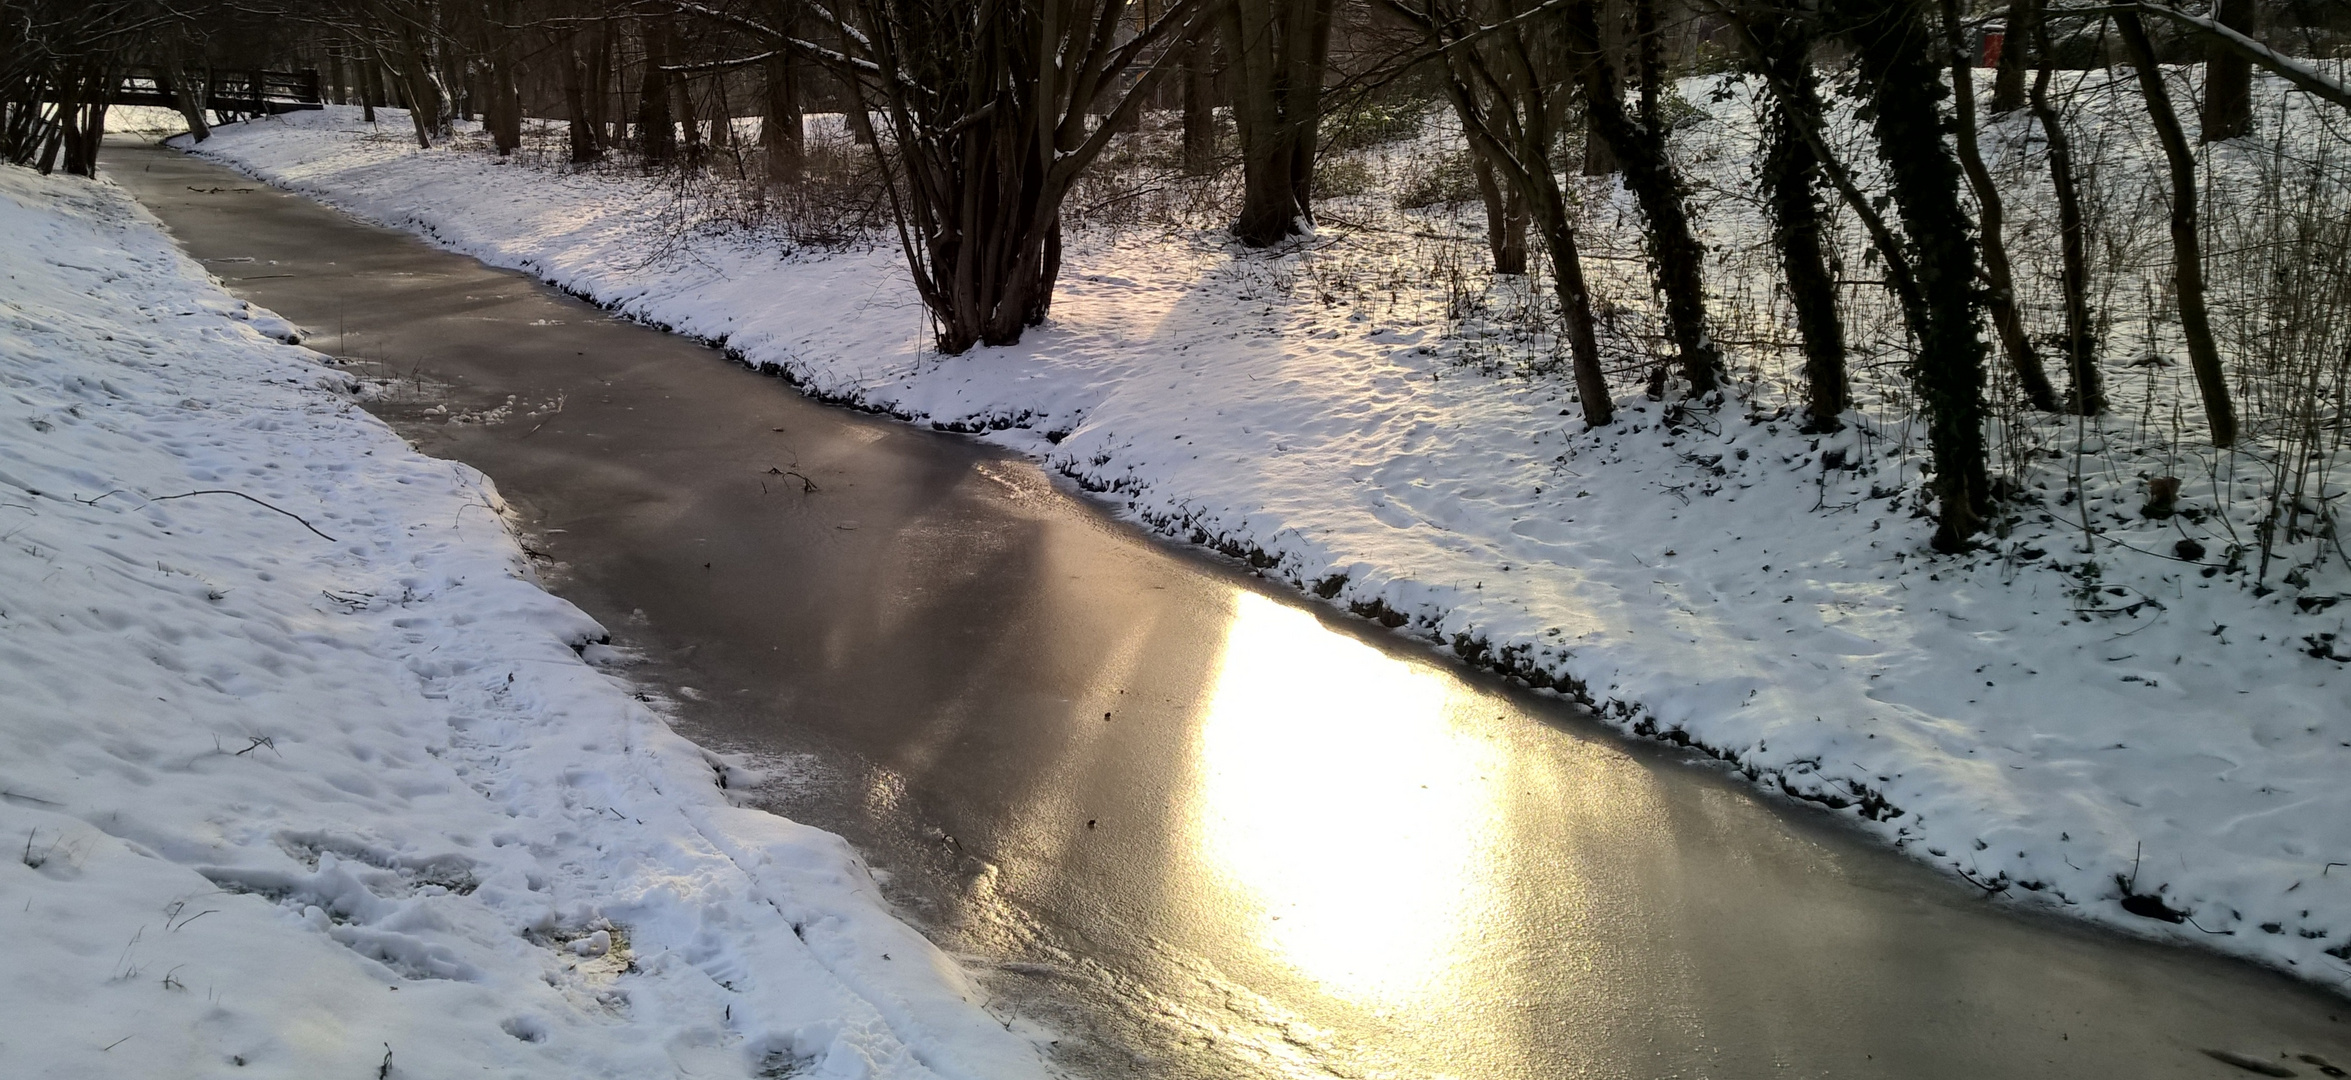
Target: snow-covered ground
[302, 775]
[2118, 734]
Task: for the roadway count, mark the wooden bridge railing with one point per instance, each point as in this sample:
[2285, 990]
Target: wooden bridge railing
[251, 93]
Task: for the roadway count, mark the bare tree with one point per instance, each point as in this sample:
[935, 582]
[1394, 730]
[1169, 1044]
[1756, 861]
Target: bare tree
[783, 129]
[657, 136]
[2220, 413]
[1990, 219]
[186, 81]
[59, 62]
[2228, 76]
[1791, 179]
[1506, 217]
[1496, 56]
[502, 105]
[2219, 35]
[1199, 75]
[1676, 259]
[1896, 55]
[2087, 396]
[2022, 27]
[580, 102]
[1279, 54]
[993, 110]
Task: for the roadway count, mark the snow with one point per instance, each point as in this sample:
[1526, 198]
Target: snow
[2071, 731]
[302, 775]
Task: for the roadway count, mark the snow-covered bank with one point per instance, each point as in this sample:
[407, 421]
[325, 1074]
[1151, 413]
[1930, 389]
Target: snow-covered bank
[302, 775]
[2144, 745]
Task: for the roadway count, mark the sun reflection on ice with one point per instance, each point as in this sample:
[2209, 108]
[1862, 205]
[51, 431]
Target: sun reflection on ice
[1343, 808]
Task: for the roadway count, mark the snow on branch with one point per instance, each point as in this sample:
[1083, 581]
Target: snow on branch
[814, 51]
[2292, 69]
[724, 65]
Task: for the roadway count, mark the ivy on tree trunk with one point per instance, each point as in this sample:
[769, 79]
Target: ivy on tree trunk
[1676, 259]
[1791, 180]
[1901, 68]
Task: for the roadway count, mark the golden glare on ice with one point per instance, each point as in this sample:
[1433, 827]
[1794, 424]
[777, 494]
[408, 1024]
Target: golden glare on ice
[1343, 808]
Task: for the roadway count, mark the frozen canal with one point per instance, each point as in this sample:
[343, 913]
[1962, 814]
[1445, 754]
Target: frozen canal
[1192, 827]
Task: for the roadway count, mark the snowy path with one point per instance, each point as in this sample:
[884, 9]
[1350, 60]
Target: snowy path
[304, 776]
[1310, 856]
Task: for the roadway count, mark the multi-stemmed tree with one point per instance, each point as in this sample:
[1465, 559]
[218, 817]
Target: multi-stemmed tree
[993, 109]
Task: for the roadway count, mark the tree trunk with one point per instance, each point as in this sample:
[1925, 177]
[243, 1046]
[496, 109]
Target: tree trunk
[1506, 219]
[689, 120]
[2021, 28]
[656, 125]
[424, 95]
[1900, 67]
[586, 147]
[371, 83]
[2001, 282]
[1280, 51]
[2187, 253]
[1599, 157]
[604, 90]
[1676, 259]
[464, 91]
[1575, 304]
[85, 122]
[783, 130]
[855, 116]
[68, 99]
[2228, 76]
[187, 95]
[508, 133]
[503, 112]
[93, 132]
[991, 121]
[722, 114]
[1271, 210]
[1791, 179]
[1510, 118]
[2087, 396]
[1649, 62]
[1200, 103]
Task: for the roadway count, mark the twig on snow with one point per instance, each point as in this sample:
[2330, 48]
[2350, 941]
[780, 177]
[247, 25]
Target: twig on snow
[248, 498]
[258, 742]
